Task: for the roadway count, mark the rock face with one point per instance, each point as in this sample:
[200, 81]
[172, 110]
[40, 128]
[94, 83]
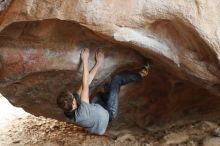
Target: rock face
[41, 41]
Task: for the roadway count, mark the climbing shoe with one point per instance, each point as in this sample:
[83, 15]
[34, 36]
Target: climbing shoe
[145, 69]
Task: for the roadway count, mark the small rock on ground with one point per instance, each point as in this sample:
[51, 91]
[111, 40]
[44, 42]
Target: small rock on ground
[216, 132]
[176, 138]
[211, 141]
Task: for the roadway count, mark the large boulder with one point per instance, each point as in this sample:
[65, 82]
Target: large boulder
[41, 41]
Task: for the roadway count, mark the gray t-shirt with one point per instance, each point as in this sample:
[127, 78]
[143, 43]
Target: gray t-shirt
[93, 117]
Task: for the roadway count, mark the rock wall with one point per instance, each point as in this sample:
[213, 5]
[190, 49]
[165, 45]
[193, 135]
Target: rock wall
[40, 44]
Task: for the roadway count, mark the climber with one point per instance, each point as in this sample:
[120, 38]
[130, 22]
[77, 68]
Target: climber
[94, 116]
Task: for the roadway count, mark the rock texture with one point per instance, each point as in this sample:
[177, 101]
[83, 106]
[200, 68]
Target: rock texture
[40, 43]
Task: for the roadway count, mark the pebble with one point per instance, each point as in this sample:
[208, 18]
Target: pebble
[16, 141]
[216, 132]
[175, 138]
[126, 137]
[211, 141]
[191, 143]
[211, 125]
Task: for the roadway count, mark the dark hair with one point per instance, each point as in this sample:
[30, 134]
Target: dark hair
[65, 100]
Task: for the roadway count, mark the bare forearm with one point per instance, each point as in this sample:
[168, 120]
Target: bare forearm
[93, 72]
[99, 58]
[85, 74]
[85, 85]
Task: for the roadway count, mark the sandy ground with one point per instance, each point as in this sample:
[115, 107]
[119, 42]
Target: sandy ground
[19, 128]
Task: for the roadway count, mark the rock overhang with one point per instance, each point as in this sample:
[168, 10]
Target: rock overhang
[38, 59]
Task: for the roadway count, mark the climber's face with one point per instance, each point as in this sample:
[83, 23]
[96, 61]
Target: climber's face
[74, 104]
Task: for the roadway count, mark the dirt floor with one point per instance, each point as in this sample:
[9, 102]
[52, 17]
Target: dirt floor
[19, 128]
